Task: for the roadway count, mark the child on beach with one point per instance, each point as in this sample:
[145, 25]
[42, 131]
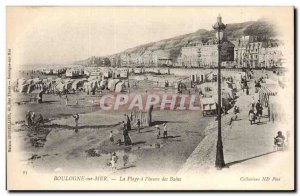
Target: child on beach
[111, 137]
[251, 116]
[113, 161]
[67, 100]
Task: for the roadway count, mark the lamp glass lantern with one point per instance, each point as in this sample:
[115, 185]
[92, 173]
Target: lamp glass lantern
[219, 35]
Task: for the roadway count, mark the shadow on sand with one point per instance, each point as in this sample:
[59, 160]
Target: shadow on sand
[170, 136]
[55, 126]
[138, 142]
[49, 102]
[243, 160]
[147, 131]
[159, 122]
[126, 167]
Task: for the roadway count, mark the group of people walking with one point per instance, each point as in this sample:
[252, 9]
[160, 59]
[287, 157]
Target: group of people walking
[255, 112]
[165, 131]
[126, 128]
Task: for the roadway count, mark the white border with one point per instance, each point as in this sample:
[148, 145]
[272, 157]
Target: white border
[5, 3]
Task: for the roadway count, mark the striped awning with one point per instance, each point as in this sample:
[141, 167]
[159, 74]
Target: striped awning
[267, 91]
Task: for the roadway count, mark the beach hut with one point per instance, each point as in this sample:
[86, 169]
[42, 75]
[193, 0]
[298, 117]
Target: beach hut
[21, 81]
[124, 73]
[265, 92]
[103, 84]
[20, 84]
[87, 86]
[209, 106]
[91, 86]
[120, 87]
[112, 84]
[60, 87]
[76, 84]
[29, 81]
[23, 88]
[30, 88]
[95, 83]
[36, 80]
[106, 74]
[37, 96]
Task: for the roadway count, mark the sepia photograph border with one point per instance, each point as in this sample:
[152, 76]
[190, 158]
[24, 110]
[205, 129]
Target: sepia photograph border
[192, 191]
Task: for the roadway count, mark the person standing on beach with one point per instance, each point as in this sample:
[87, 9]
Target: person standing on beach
[113, 161]
[259, 110]
[28, 118]
[236, 110]
[165, 134]
[138, 126]
[253, 103]
[76, 117]
[67, 100]
[111, 137]
[131, 116]
[150, 114]
[128, 122]
[247, 90]
[127, 140]
[32, 118]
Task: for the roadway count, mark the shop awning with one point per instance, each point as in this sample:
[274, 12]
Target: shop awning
[267, 91]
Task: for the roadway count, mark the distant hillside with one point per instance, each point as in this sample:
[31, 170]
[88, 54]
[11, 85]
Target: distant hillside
[171, 47]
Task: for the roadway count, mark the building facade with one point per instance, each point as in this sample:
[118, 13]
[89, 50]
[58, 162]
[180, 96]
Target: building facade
[251, 53]
[190, 55]
[206, 54]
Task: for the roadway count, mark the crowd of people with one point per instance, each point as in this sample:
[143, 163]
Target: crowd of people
[255, 112]
[126, 128]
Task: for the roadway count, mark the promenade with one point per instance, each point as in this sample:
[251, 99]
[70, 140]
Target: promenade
[245, 146]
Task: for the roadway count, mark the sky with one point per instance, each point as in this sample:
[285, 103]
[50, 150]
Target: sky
[60, 35]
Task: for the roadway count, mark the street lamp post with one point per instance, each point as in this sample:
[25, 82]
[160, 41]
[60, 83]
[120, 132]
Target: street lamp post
[219, 27]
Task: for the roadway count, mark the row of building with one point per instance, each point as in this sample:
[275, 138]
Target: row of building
[244, 52]
[206, 54]
[253, 54]
[247, 51]
[147, 59]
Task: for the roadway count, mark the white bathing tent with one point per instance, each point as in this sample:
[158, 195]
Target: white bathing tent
[21, 85]
[112, 84]
[36, 80]
[22, 88]
[76, 84]
[120, 87]
[60, 87]
[103, 84]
